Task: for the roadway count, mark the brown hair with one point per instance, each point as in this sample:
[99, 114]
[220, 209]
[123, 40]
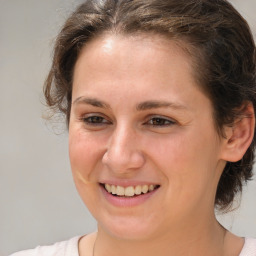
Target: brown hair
[217, 37]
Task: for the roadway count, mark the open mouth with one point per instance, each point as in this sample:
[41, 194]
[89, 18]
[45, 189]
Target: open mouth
[130, 191]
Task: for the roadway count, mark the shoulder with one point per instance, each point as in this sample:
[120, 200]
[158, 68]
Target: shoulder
[64, 248]
[249, 248]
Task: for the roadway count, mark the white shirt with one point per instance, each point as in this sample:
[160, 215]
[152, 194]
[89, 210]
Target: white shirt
[65, 248]
[70, 248]
[249, 248]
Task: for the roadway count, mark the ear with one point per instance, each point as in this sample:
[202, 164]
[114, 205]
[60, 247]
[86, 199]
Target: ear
[239, 136]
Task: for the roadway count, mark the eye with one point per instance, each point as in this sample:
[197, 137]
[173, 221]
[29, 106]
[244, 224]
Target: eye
[95, 120]
[160, 121]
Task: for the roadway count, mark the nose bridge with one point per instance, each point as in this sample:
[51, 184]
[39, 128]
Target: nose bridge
[123, 152]
[122, 140]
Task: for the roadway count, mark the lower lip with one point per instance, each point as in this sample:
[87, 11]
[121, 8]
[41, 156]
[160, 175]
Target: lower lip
[122, 201]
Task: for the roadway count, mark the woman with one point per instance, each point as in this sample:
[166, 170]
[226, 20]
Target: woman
[159, 99]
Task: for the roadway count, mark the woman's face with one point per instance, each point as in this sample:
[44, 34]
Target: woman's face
[141, 128]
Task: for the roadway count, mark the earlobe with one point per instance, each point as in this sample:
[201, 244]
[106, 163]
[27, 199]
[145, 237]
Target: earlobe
[239, 136]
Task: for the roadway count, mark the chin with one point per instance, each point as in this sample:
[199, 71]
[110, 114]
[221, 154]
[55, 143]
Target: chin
[128, 228]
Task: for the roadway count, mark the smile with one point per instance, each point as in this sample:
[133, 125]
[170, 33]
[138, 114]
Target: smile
[129, 191]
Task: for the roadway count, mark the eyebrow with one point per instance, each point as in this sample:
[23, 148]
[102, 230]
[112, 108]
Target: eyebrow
[91, 101]
[146, 105]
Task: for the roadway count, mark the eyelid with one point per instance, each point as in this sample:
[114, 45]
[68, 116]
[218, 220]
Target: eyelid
[84, 118]
[167, 119]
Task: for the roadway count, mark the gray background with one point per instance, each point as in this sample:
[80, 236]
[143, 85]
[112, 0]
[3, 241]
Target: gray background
[39, 203]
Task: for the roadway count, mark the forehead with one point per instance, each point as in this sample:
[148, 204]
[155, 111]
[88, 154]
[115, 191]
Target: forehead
[108, 41]
[141, 52]
[140, 68]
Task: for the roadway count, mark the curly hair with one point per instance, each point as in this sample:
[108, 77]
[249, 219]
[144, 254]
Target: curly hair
[215, 35]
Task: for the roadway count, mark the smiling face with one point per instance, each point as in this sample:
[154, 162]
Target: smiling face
[141, 128]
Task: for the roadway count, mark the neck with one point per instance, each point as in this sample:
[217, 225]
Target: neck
[193, 240]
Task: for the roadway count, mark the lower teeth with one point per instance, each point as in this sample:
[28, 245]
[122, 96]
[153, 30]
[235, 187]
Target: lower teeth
[133, 195]
[127, 196]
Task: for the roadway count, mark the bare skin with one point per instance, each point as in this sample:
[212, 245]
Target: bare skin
[232, 246]
[139, 117]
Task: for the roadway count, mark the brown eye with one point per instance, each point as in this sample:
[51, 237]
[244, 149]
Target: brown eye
[95, 120]
[159, 121]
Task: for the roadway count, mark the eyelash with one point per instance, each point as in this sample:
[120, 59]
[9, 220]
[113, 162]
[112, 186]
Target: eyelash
[159, 122]
[90, 120]
[155, 121]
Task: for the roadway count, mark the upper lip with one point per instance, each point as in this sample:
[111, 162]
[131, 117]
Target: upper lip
[127, 183]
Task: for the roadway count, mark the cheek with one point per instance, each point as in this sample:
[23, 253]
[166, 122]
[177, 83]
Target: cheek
[84, 157]
[85, 153]
[188, 163]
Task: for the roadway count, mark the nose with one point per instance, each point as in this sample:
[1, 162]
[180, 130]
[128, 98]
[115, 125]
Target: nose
[123, 153]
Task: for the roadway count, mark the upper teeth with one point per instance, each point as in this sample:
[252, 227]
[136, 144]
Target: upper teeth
[129, 191]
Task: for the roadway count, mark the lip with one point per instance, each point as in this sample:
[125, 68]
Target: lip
[127, 183]
[121, 201]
